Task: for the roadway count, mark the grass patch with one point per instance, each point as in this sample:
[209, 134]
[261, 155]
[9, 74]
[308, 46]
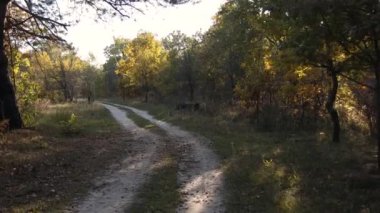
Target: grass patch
[144, 123]
[77, 119]
[42, 170]
[283, 171]
[160, 193]
[160, 111]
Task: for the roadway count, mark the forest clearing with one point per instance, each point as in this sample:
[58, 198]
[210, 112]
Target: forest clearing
[274, 107]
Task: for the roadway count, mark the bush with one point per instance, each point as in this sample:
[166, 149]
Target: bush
[70, 126]
[274, 118]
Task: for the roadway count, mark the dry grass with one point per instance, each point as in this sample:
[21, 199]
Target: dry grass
[44, 169]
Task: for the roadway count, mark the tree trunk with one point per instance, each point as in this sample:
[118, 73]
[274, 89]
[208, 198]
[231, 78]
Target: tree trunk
[232, 83]
[146, 96]
[376, 46]
[146, 91]
[377, 107]
[7, 94]
[258, 107]
[191, 91]
[331, 108]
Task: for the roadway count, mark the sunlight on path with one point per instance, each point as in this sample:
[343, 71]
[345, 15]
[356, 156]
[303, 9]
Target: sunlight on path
[115, 191]
[200, 175]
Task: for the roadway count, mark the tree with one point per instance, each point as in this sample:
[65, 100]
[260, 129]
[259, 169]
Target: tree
[312, 37]
[227, 43]
[114, 53]
[144, 59]
[88, 82]
[359, 36]
[9, 109]
[60, 72]
[182, 71]
[44, 21]
[28, 89]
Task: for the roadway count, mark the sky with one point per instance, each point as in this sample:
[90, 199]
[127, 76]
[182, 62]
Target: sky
[89, 36]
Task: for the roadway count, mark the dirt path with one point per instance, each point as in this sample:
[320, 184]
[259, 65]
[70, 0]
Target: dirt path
[200, 175]
[115, 191]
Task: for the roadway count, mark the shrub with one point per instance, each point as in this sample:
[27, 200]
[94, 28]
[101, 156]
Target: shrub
[69, 126]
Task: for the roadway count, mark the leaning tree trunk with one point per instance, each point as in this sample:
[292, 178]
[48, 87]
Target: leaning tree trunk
[331, 108]
[7, 94]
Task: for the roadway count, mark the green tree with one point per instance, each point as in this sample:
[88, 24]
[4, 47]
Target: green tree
[114, 53]
[359, 36]
[182, 73]
[144, 58]
[312, 37]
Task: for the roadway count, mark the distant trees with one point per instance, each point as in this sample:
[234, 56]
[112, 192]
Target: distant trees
[182, 73]
[32, 21]
[59, 70]
[144, 59]
[114, 53]
[51, 72]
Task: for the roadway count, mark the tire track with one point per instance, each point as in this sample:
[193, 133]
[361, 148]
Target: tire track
[116, 191]
[199, 175]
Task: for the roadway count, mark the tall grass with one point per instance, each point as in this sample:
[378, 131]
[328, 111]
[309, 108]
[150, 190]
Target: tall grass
[77, 119]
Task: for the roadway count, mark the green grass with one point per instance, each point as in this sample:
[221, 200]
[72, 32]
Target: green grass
[282, 171]
[77, 119]
[160, 193]
[160, 111]
[144, 123]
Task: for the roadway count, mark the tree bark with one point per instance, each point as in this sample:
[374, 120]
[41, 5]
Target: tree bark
[377, 106]
[330, 106]
[191, 90]
[146, 96]
[376, 46]
[7, 93]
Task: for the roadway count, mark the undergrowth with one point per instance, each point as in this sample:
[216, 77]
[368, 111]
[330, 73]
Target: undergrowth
[76, 119]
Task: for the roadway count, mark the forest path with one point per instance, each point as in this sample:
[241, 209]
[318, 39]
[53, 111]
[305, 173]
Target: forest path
[115, 191]
[200, 175]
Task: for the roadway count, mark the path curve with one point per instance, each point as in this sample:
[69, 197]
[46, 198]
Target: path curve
[200, 175]
[115, 191]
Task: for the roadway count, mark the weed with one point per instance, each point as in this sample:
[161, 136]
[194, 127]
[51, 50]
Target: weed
[70, 126]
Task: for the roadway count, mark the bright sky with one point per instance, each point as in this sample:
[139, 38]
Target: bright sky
[92, 37]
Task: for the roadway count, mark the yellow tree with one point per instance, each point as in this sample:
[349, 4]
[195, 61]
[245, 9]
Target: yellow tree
[59, 71]
[144, 57]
